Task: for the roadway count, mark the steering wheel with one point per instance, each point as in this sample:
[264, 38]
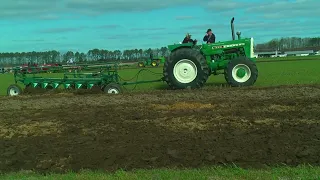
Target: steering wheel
[195, 42]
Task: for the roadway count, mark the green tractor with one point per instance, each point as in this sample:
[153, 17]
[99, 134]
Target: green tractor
[190, 67]
[154, 62]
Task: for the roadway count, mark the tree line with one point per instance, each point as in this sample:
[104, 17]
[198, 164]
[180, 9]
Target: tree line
[46, 57]
[289, 44]
[131, 55]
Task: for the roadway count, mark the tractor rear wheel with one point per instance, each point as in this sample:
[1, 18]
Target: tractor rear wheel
[186, 68]
[241, 72]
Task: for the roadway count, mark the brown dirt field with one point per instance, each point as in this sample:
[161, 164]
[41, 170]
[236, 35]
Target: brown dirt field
[250, 127]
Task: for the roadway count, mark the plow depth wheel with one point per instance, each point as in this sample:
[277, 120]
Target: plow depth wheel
[14, 90]
[186, 68]
[112, 88]
[241, 72]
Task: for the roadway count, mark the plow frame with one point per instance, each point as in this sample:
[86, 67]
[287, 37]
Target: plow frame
[103, 76]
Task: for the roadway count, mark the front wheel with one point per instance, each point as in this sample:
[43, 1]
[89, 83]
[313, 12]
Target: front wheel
[241, 72]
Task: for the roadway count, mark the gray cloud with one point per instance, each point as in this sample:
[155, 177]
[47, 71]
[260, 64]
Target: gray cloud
[184, 17]
[30, 8]
[51, 9]
[40, 8]
[149, 35]
[76, 29]
[102, 6]
[109, 26]
[268, 9]
[148, 29]
[49, 17]
[226, 5]
[61, 30]
[29, 40]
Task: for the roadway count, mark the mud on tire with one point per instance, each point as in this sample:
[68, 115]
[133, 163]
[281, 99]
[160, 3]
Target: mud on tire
[248, 66]
[173, 74]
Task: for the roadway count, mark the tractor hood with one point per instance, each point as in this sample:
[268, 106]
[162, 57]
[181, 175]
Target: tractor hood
[176, 46]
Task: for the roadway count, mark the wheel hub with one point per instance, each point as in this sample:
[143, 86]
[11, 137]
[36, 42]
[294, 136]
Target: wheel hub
[185, 71]
[13, 92]
[113, 91]
[241, 73]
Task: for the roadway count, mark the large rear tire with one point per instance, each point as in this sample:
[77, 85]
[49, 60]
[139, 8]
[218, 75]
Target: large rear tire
[186, 68]
[241, 72]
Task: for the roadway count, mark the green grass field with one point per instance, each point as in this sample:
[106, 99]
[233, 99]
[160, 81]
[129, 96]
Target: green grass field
[270, 74]
[218, 173]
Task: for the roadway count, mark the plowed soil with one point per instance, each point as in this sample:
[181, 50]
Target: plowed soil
[250, 127]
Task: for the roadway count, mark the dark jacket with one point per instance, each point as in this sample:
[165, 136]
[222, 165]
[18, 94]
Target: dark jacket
[211, 39]
[186, 40]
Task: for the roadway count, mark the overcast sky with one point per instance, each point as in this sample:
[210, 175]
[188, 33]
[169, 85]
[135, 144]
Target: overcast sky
[38, 25]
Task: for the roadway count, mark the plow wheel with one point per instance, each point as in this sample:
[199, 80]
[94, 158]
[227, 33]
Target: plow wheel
[112, 88]
[241, 72]
[154, 63]
[14, 90]
[186, 68]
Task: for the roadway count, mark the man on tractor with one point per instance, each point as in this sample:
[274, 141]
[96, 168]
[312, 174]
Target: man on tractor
[188, 39]
[209, 37]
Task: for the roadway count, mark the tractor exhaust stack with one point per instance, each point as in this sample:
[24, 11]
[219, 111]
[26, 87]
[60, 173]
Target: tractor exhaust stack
[232, 29]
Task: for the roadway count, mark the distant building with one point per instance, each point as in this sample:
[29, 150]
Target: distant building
[268, 54]
[299, 53]
[265, 54]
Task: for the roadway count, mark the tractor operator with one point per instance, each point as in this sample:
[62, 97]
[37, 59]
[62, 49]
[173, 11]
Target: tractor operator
[209, 37]
[188, 39]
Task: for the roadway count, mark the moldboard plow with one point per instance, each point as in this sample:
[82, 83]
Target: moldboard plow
[104, 78]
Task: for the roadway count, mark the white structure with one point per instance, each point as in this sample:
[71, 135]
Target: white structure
[270, 54]
[299, 53]
[282, 55]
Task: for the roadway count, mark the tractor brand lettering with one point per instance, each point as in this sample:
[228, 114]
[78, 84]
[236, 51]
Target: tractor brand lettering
[230, 45]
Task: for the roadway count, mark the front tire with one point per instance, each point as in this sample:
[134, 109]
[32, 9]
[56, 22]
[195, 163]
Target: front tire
[241, 72]
[186, 68]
